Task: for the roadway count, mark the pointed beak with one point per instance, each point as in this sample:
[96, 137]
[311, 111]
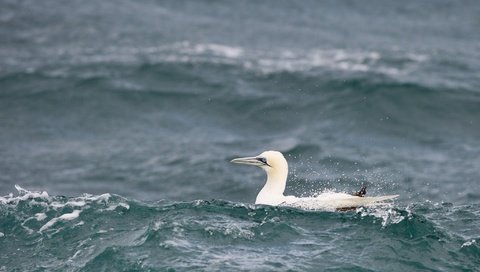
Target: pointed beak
[249, 161]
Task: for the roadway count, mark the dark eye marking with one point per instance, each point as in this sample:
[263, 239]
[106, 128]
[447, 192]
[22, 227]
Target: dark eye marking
[262, 160]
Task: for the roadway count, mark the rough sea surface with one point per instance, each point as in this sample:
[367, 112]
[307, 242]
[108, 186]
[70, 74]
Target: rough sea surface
[118, 120]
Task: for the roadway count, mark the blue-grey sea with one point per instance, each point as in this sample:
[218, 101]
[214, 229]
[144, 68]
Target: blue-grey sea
[119, 118]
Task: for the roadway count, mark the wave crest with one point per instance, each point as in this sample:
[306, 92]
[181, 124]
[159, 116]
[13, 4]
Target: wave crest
[99, 229]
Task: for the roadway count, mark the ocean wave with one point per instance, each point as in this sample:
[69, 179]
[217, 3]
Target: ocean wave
[394, 64]
[47, 210]
[96, 229]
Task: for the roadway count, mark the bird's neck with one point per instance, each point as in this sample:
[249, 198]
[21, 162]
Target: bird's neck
[272, 191]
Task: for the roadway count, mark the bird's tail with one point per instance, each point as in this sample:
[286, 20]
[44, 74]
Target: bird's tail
[362, 192]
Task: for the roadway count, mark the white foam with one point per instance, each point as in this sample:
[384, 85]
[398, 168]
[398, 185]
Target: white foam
[288, 60]
[98, 198]
[265, 61]
[40, 216]
[233, 230]
[218, 50]
[306, 60]
[47, 203]
[1, 234]
[80, 202]
[115, 206]
[23, 195]
[388, 215]
[48, 224]
[76, 203]
[469, 243]
[43, 199]
[70, 216]
[63, 217]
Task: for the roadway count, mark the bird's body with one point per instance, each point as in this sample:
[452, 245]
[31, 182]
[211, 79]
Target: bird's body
[276, 167]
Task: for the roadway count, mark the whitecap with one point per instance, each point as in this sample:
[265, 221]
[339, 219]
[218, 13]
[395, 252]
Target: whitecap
[388, 216]
[40, 216]
[63, 217]
[23, 195]
[468, 243]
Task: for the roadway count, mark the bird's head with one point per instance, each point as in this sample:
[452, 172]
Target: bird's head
[269, 161]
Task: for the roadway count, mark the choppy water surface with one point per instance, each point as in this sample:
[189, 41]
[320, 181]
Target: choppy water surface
[108, 232]
[119, 119]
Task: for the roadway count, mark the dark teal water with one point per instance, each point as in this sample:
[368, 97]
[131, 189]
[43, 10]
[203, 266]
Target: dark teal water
[142, 104]
[111, 233]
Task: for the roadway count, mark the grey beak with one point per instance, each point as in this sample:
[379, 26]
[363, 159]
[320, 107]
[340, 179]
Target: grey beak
[249, 161]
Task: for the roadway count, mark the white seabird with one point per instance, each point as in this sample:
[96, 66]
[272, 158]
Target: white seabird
[276, 167]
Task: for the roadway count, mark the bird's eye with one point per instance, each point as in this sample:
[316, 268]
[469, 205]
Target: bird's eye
[263, 160]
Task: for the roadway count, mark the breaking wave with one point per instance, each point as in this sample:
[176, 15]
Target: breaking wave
[98, 231]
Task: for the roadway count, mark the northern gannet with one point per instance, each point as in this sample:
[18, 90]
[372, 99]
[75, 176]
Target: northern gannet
[276, 167]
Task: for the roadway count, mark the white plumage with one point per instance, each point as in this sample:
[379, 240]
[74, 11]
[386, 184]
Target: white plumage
[276, 167]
